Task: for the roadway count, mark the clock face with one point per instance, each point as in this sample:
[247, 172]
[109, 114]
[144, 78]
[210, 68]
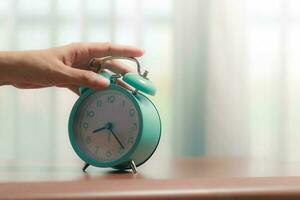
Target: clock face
[106, 125]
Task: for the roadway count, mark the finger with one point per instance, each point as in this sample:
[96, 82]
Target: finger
[87, 78]
[115, 66]
[28, 86]
[74, 89]
[97, 50]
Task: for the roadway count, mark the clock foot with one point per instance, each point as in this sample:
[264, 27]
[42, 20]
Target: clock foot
[86, 165]
[133, 166]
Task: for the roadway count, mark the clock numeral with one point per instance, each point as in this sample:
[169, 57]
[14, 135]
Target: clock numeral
[88, 140]
[85, 125]
[131, 112]
[90, 114]
[111, 99]
[108, 154]
[134, 127]
[97, 149]
[123, 103]
[130, 140]
[99, 103]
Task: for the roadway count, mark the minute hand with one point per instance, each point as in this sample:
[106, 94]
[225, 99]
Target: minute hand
[117, 139]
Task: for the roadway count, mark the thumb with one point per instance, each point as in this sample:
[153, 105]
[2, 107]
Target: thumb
[88, 78]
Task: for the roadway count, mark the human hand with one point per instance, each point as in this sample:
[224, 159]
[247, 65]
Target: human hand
[65, 66]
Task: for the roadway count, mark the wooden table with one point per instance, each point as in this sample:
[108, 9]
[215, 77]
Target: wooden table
[181, 178]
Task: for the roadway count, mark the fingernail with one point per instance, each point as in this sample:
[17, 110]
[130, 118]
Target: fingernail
[101, 81]
[106, 82]
[142, 50]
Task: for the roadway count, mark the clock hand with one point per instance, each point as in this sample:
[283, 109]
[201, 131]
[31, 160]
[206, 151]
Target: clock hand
[118, 140]
[99, 129]
[109, 127]
[106, 126]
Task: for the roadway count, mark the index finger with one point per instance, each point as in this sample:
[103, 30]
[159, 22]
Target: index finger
[115, 66]
[97, 50]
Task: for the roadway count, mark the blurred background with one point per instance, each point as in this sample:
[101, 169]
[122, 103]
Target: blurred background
[227, 73]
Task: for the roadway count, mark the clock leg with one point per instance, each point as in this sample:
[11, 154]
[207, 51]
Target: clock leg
[133, 166]
[86, 165]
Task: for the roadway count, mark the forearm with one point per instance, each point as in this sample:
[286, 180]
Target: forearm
[8, 66]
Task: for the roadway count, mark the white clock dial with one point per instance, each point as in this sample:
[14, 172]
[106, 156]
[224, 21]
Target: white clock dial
[107, 125]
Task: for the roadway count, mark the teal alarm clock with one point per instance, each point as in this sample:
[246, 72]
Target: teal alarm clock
[116, 127]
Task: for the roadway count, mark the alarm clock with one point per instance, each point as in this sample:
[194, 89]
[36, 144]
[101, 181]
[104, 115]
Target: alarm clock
[116, 127]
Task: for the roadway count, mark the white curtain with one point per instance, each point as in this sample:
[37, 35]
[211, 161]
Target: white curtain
[33, 123]
[227, 73]
[237, 78]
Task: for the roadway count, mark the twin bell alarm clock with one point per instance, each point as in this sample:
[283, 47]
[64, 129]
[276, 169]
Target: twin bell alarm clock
[116, 127]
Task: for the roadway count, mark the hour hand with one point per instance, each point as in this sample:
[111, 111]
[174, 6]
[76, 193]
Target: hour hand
[106, 126]
[99, 129]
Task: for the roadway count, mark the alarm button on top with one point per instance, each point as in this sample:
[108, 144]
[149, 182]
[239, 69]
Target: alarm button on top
[140, 83]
